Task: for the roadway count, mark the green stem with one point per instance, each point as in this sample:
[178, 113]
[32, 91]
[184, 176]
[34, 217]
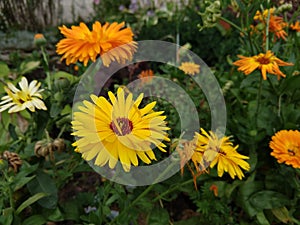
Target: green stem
[47, 66]
[267, 31]
[258, 98]
[10, 193]
[145, 192]
[233, 24]
[172, 189]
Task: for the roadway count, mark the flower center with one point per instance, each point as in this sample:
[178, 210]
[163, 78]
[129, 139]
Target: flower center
[263, 60]
[293, 150]
[121, 126]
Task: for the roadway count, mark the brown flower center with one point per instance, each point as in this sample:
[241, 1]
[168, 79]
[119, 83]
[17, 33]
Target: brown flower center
[293, 150]
[263, 60]
[121, 126]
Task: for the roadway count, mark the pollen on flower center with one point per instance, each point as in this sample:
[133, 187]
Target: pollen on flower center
[121, 127]
[263, 60]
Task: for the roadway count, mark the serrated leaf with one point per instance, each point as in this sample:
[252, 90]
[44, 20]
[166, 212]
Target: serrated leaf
[158, 216]
[45, 184]
[30, 201]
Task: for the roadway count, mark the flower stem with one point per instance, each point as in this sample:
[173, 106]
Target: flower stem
[258, 98]
[267, 31]
[47, 66]
[232, 24]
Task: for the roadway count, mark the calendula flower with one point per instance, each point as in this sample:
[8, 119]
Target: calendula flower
[276, 23]
[190, 68]
[146, 76]
[26, 97]
[83, 45]
[266, 63]
[118, 130]
[295, 26]
[286, 147]
[221, 152]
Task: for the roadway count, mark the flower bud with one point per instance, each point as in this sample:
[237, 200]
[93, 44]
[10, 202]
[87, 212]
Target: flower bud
[39, 40]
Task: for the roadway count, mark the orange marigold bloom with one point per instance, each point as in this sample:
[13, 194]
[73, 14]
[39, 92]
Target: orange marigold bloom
[266, 63]
[295, 26]
[146, 76]
[286, 147]
[83, 45]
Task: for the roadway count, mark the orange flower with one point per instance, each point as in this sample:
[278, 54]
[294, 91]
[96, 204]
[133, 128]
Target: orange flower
[146, 76]
[83, 45]
[38, 36]
[214, 188]
[286, 147]
[295, 26]
[266, 63]
[276, 23]
[276, 26]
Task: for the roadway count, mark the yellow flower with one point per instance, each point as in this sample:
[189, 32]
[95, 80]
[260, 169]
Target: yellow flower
[262, 16]
[295, 26]
[83, 45]
[286, 147]
[266, 63]
[212, 150]
[19, 99]
[146, 76]
[190, 68]
[118, 130]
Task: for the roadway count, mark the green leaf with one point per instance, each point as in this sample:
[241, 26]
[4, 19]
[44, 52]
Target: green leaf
[282, 214]
[30, 201]
[12, 131]
[21, 182]
[8, 216]
[35, 220]
[268, 200]
[44, 183]
[158, 216]
[26, 67]
[245, 191]
[261, 219]
[4, 69]
[62, 74]
[290, 84]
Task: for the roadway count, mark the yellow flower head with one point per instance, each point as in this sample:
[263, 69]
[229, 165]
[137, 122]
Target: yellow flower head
[118, 130]
[286, 147]
[295, 26]
[266, 63]
[211, 150]
[83, 45]
[262, 16]
[26, 97]
[190, 68]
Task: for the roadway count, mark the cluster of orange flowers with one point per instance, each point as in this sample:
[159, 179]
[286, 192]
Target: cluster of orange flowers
[267, 62]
